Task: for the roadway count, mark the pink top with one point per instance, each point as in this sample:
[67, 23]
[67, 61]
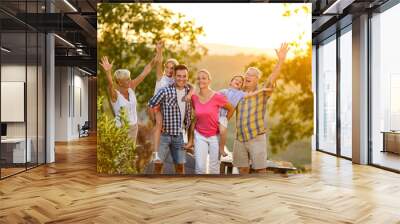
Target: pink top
[207, 114]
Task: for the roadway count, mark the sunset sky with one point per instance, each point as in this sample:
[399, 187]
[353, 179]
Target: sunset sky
[253, 25]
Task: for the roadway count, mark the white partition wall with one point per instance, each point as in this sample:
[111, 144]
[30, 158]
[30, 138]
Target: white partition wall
[71, 102]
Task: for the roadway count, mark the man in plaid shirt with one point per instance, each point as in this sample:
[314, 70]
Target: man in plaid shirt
[176, 114]
[250, 145]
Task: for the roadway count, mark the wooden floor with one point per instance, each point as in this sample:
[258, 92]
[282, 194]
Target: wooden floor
[70, 191]
[387, 159]
[5, 172]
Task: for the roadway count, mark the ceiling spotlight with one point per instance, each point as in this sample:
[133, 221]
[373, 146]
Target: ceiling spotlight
[65, 41]
[84, 71]
[5, 50]
[70, 5]
[338, 6]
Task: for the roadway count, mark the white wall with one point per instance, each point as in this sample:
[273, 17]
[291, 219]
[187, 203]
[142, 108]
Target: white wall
[12, 73]
[62, 81]
[71, 94]
[80, 115]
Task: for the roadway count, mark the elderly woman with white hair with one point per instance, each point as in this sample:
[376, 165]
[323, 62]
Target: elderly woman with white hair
[123, 93]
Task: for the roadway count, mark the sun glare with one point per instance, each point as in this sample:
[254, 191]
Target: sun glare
[249, 25]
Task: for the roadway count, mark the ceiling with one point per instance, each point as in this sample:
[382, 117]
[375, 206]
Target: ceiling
[75, 23]
[332, 15]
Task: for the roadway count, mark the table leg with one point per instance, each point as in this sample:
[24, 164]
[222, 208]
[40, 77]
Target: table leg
[222, 168]
[230, 169]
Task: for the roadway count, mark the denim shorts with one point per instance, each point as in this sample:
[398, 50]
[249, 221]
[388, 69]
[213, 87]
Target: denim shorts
[172, 144]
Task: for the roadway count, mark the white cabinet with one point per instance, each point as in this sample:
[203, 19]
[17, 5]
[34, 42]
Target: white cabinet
[17, 146]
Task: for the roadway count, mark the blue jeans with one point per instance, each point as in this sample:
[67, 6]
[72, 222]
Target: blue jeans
[173, 144]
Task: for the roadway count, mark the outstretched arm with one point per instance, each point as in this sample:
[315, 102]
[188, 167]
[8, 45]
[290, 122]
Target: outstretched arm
[230, 110]
[281, 54]
[107, 67]
[146, 71]
[159, 66]
[268, 90]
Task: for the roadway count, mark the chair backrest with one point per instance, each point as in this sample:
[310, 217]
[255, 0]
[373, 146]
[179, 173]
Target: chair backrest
[86, 125]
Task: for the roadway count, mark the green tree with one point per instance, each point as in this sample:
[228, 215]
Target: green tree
[291, 105]
[128, 32]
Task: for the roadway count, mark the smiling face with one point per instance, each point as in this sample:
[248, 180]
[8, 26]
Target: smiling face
[237, 82]
[122, 78]
[169, 69]
[124, 82]
[251, 79]
[203, 80]
[181, 78]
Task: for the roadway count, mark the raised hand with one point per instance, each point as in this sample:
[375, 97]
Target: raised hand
[159, 59]
[159, 46]
[282, 52]
[150, 66]
[107, 66]
[159, 50]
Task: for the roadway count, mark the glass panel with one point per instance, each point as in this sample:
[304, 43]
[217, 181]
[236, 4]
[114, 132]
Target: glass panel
[386, 89]
[31, 98]
[23, 82]
[327, 96]
[13, 86]
[41, 98]
[346, 94]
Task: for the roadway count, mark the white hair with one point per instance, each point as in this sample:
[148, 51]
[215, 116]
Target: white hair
[122, 74]
[257, 71]
[173, 61]
[205, 71]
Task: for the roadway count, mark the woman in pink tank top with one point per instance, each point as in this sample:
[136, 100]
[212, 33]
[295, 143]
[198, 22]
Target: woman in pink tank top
[207, 104]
